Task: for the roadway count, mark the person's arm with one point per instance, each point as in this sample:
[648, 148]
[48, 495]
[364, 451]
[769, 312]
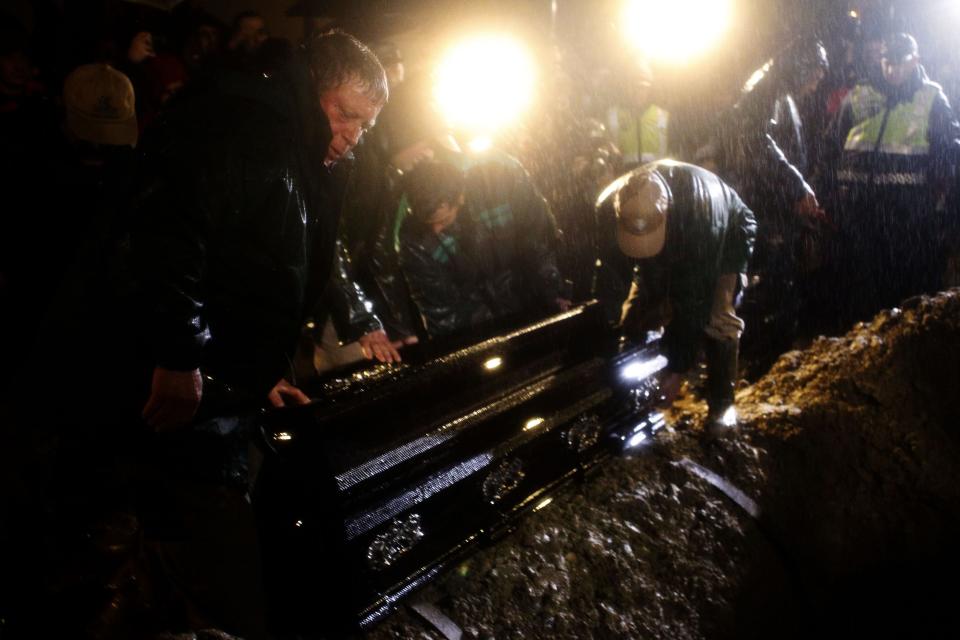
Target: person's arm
[168, 255]
[391, 288]
[352, 312]
[944, 137]
[777, 169]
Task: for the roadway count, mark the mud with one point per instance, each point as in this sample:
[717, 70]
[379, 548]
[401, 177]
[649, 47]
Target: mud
[850, 449]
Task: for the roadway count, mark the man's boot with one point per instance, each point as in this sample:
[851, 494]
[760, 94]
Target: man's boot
[721, 381]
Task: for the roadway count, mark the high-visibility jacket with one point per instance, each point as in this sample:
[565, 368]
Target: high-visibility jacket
[889, 142]
[640, 135]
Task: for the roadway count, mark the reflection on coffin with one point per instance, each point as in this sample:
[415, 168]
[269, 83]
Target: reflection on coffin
[395, 473]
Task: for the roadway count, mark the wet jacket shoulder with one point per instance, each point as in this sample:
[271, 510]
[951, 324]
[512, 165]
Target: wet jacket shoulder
[231, 208]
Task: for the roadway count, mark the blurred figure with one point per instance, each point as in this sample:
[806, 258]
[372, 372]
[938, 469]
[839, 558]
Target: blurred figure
[763, 152]
[60, 204]
[248, 32]
[389, 55]
[201, 37]
[638, 126]
[17, 74]
[692, 237]
[898, 144]
[29, 141]
[477, 245]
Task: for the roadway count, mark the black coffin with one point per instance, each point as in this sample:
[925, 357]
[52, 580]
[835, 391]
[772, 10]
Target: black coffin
[395, 473]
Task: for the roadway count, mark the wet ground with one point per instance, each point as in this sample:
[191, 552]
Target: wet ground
[833, 511]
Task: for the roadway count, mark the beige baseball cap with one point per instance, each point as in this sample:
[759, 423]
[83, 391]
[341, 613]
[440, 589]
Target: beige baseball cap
[100, 105]
[641, 206]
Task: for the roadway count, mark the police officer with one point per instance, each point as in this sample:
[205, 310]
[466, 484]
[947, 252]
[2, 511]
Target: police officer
[900, 145]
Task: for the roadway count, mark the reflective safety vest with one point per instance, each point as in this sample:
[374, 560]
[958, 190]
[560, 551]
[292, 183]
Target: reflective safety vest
[640, 139]
[904, 127]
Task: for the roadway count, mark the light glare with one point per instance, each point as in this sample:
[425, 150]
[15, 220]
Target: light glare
[480, 144]
[532, 423]
[678, 30]
[493, 363]
[636, 439]
[542, 504]
[639, 370]
[484, 83]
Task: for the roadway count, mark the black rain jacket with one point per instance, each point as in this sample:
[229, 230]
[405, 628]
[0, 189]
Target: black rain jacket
[235, 228]
[497, 259]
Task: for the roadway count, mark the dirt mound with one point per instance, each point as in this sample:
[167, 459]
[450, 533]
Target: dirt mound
[848, 451]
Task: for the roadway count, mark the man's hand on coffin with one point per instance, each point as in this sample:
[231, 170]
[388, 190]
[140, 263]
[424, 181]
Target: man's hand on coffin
[377, 345]
[174, 399]
[285, 394]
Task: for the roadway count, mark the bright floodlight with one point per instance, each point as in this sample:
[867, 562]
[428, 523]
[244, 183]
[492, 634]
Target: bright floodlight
[676, 30]
[484, 83]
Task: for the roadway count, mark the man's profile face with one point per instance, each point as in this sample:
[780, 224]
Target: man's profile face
[896, 73]
[252, 33]
[444, 216]
[350, 112]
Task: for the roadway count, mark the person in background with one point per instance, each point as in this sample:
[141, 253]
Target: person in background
[638, 126]
[764, 155]
[692, 237]
[897, 144]
[248, 32]
[477, 245]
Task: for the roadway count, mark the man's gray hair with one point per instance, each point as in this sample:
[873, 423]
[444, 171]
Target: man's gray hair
[336, 57]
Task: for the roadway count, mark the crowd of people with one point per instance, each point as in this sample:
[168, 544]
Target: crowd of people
[200, 216]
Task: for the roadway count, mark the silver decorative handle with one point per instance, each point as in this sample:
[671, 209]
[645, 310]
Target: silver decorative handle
[502, 480]
[395, 542]
[584, 433]
[642, 396]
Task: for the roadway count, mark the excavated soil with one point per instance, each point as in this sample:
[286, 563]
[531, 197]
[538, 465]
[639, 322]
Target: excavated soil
[850, 452]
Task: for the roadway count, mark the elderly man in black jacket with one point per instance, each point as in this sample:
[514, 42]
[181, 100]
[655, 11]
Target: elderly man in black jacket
[234, 240]
[237, 225]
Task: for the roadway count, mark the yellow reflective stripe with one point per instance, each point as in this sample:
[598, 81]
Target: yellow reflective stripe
[640, 139]
[906, 128]
[653, 125]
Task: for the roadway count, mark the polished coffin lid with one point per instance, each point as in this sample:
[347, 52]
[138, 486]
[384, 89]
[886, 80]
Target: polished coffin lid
[400, 469]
